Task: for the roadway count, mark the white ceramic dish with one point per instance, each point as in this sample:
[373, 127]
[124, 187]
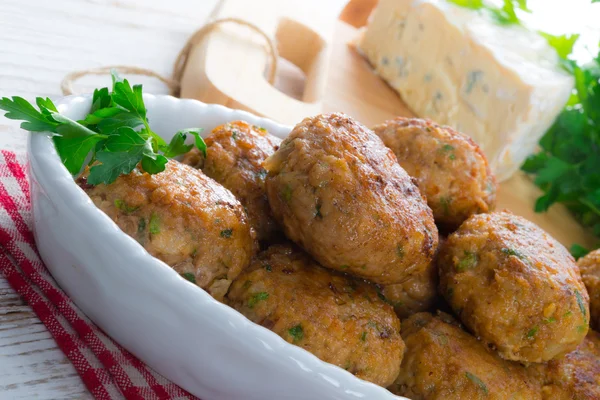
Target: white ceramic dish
[178, 329]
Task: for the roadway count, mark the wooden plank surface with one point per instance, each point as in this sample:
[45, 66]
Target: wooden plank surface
[40, 42]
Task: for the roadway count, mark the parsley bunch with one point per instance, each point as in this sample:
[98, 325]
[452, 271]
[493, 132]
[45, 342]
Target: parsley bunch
[113, 138]
[568, 166]
[505, 15]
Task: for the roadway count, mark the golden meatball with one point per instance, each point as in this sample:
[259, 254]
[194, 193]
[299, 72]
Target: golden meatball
[183, 218]
[451, 170]
[574, 377]
[417, 293]
[339, 193]
[338, 319]
[234, 156]
[444, 362]
[515, 287]
[589, 266]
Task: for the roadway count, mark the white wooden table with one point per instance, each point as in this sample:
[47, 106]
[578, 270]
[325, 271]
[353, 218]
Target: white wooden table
[40, 42]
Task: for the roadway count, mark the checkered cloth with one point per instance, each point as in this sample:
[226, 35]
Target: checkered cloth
[108, 370]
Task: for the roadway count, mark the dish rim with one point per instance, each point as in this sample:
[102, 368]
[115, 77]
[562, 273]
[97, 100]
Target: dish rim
[60, 188]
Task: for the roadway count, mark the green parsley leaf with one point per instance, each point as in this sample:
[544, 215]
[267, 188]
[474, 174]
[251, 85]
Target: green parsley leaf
[578, 251]
[467, 262]
[477, 381]
[581, 305]
[256, 297]
[141, 225]
[112, 139]
[296, 332]
[113, 164]
[154, 163]
[226, 233]
[568, 166]
[129, 140]
[505, 15]
[123, 206]
[46, 105]
[20, 109]
[472, 4]
[532, 332]
[154, 224]
[113, 120]
[94, 118]
[73, 152]
[101, 99]
[177, 145]
[189, 276]
[131, 99]
[512, 252]
[562, 44]
[198, 139]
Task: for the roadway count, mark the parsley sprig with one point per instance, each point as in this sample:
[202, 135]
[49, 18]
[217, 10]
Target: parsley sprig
[567, 168]
[113, 138]
[507, 15]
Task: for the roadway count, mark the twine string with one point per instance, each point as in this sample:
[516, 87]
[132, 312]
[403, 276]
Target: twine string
[174, 83]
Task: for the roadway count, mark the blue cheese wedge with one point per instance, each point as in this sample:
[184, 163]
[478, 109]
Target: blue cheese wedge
[501, 85]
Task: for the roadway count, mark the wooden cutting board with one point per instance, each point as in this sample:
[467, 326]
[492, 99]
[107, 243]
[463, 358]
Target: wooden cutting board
[319, 71]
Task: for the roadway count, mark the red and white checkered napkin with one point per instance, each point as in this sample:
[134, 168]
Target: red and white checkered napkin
[108, 370]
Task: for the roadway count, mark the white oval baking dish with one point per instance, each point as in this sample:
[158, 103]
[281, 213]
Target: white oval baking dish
[176, 328]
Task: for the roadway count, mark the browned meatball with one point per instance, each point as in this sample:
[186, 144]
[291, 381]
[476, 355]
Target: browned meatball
[338, 319]
[442, 361]
[574, 377]
[417, 293]
[589, 267]
[515, 287]
[340, 193]
[234, 156]
[183, 218]
[451, 170]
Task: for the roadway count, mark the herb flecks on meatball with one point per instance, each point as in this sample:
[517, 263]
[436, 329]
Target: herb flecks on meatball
[340, 194]
[451, 170]
[443, 362]
[337, 318]
[183, 218]
[234, 157]
[515, 287]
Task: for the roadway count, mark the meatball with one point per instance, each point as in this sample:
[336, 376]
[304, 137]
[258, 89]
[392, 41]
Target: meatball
[338, 319]
[451, 170]
[442, 361]
[417, 293]
[589, 266]
[234, 156]
[183, 218]
[515, 287]
[339, 193]
[576, 376]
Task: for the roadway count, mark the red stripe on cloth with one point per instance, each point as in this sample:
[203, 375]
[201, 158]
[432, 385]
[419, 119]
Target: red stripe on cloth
[18, 172]
[68, 343]
[65, 306]
[90, 336]
[8, 203]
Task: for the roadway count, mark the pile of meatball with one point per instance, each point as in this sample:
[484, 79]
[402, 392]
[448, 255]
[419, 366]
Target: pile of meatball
[377, 250]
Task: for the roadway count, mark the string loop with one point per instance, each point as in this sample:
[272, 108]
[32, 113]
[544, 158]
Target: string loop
[174, 83]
